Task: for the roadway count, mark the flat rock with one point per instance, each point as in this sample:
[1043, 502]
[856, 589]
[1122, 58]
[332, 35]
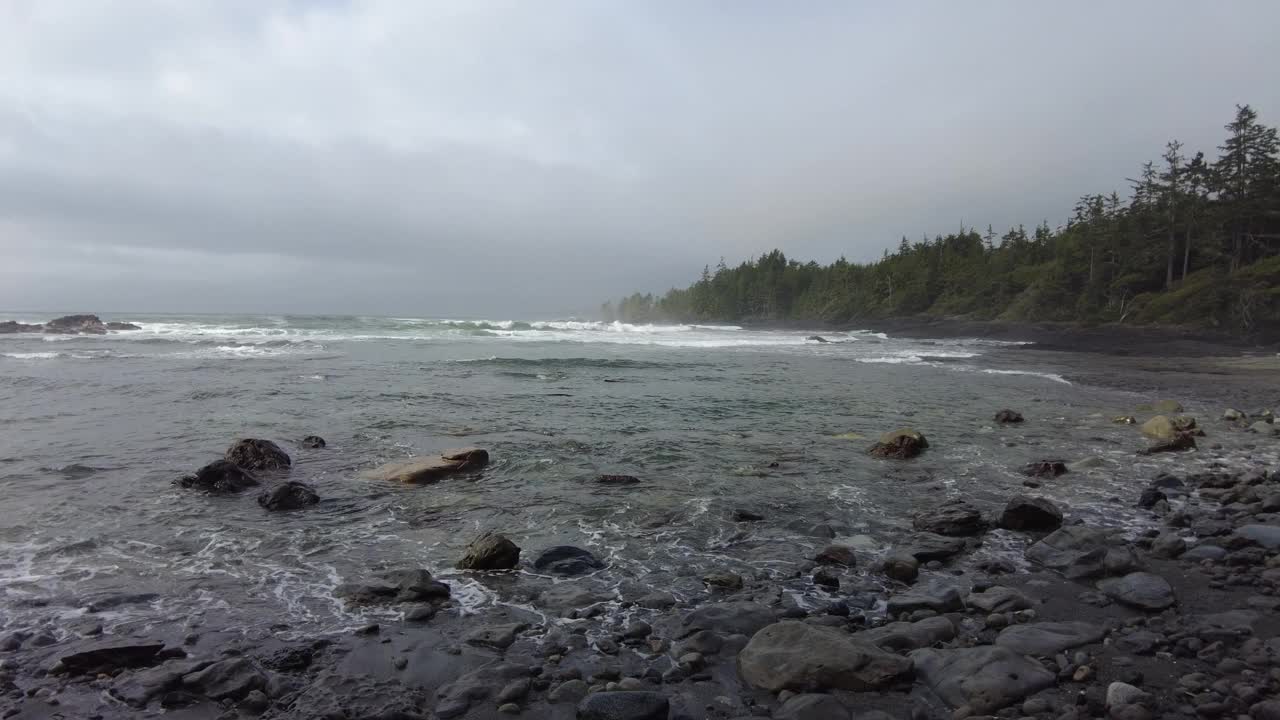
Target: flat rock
[728, 618]
[937, 596]
[985, 678]
[567, 560]
[232, 678]
[1265, 536]
[998, 598]
[633, 705]
[905, 636]
[800, 657]
[1205, 551]
[430, 469]
[812, 706]
[925, 547]
[400, 586]
[1024, 512]
[495, 636]
[1078, 551]
[1141, 590]
[1046, 639]
[954, 518]
[111, 656]
[139, 688]
[617, 480]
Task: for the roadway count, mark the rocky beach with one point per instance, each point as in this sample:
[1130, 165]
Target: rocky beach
[818, 529]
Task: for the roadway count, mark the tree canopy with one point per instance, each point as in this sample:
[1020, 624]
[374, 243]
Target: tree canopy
[1196, 242]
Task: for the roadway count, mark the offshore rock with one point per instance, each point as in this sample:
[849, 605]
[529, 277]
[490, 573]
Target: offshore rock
[1008, 416]
[291, 495]
[427, 470]
[76, 325]
[10, 326]
[258, 454]
[220, 477]
[901, 444]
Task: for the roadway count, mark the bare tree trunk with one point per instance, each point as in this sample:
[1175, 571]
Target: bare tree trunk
[1168, 266]
[1186, 252]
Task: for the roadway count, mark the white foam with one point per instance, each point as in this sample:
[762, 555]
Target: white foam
[32, 355]
[1046, 376]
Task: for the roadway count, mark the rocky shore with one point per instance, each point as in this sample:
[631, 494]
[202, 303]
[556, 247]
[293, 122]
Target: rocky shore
[68, 325]
[1175, 619]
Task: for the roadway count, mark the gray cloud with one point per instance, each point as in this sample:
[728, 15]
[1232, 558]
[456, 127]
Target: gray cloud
[512, 158]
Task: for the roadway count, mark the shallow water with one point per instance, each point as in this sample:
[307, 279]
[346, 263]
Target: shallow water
[94, 429]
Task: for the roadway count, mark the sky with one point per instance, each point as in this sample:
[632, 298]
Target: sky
[491, 158]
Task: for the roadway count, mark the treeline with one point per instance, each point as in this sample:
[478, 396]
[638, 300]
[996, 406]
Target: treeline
[1196, 242]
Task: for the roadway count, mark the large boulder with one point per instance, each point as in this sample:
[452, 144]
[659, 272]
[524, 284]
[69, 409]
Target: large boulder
[1262, 427]
[76, 325]
[728, 618]
[982, 679]
[220, 477]
[230, 679]
[291, 495]
[400, 586]
[258, 454]
[904, 443]
[937, 596]
[1046, 639]
[905, 636]
[1141, 590]
[926, 547]
[807, 658]
[1079, 551]
[1264, 536]
[431, 469]
[111, 656]
[1024, 512]
[998, 598]
[955, 518]
[1164, 427]
[624, 705]
[567, 560]
[490, 551]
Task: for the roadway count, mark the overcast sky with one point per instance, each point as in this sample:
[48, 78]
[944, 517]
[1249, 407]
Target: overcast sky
[523, 159]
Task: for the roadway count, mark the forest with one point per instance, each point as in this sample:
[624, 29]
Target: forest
[1195, 242]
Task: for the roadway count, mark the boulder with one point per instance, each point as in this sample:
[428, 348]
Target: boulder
[490, 551]
[906, 636]
[567, 560]
[926, 547]
[478, 684]
[11, 326]
[1150, 496]
[500, 636]
[139, 688]
[111, 656]
[1163, 427]
[431, 469]
[812, 706]
[258, 454]
[1168, 544]
[836, 555]
[901, 444]
[1008, 416]
[313, 442]
[741, 515]
[1045, 468]
[230, 679]
[1182, 441]
[1263, 427]
[624, 705]
[1141, 590]
[291, 495]
[1046, 639]
[122, 326]
[76, 325]
[937, 596]
[998, 598]
[220, 477]
[1231, 414]
[1121, 696]
[900, 565]
[617, 479]
[400, 586]
[1024, 512]
[1079, 551]
[1264, 536]
[800, 657]
[728, 618]
[725, 580]
[983, 679]
[955, 518]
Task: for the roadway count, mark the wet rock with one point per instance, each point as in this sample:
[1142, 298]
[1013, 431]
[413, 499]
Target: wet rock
[1078, 551]
[617, 480]
[490, 551]
[76, 325]
[257, 454]
[1265, 428]
[232, 679]
[900, 565]
[108, 657]
[1046, 639]
[291, 495]
[827, 578]
[811, 706]
[981, 679]
[741, 515]
[1141, 590]
[905, 636]
[723, 580]
[10, 326]
[122, 326]
[400, 586]
[479, 684]
[431, 469]
[220, 477]
[1183, 441]
[800, 657]
[1149, 497]
[660, 600]
[901, 444]
[1045, 469]
[955, 518]
[1008, 416]
[495, 636]
[729, 618]
[1024, 512]
[567, 560]
[1265, 536]
[638, 705]
[570, 596]
[836, 555]
[1205, 551]
[139, 688]
[817, 338]
[936, 596]
[296, 659]
[569, 691]
[1168, 545]
[313, 442]
[1164, 427]
[998, 599]
[927, 547]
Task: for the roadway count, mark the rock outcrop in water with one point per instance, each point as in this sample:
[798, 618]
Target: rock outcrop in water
[220, 477]
[1165, 428]
[313, 442]
[12, 326]
[122, 326]
[1005, 417]
[431, 469]
[902, 444]
[567, 560]
[955, 518]
[76, 325]
[490, 551]
[401, 586]
[258, 454]
[291, 495]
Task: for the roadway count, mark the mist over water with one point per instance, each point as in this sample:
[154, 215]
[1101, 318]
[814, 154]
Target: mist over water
[93, 429]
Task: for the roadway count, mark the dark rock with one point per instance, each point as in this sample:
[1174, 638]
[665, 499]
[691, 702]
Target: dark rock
[817, 338]
[10, 327]
[1046, 639]
[76, 325]
[291, 495]
[1168, 545]
[617, 479]
[1008, 416]
[401, 586]
[800, 657]
[233, 678]
[1045, 468]
[1179, 442]
[729, 618]
[1150, 497]
[431, 469]
[740, 515]
[906, 636]
[567, 560]
[122, 326]
[811, 706]
[926, 547]
[901, 444]
[998, 599]
[258, 454]
[900, 565]
[723, 580]
[113, 656]
[220, 477]
[139, 688]
[1139, 642]
[495, 636]
[936, 596]
[313, 442]
[1079, 551]
[1265, 536]
[1024, 512]
[836, 555]
[955, 518]
[826, 578]
[635, 705]
[1141, 590]
[490, 551]
[478, 684]
[1204, 551]
[983, 679]
[295, 659]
